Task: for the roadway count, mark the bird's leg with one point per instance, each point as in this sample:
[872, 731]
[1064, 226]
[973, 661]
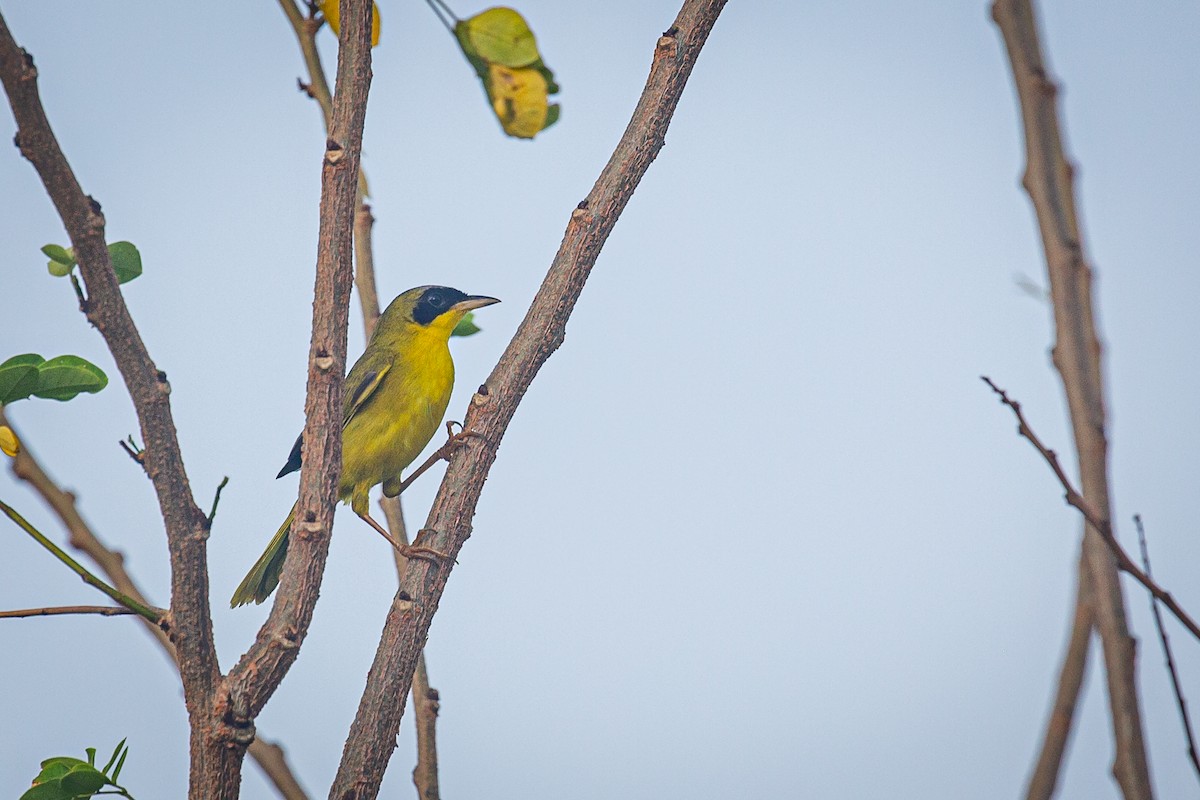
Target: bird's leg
[444, 452]
[406, 550]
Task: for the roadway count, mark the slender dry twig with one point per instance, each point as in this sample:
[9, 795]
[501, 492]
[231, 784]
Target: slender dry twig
[258, 673]
[155, 615]
[1077, 357]
[1101, 525]
[81, 537]
[51, 611]
[1072, 671]
[1180, 702]
[216, 500]
[372, 736]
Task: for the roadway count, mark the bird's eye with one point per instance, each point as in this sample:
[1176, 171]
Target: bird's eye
[436, 300]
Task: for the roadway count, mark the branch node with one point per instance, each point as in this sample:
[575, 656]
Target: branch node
[308, 529]
[334, 152]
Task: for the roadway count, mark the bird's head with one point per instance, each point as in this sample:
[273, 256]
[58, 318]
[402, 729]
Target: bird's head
[435, 309]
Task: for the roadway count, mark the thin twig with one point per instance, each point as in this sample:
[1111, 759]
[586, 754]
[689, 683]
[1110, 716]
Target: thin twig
[440, 9]
[217, 499]
[426, 699]
[372, 736]
[1100, 525]
[1180, 702]
[26, 467]
[51, 611]
[155, 615]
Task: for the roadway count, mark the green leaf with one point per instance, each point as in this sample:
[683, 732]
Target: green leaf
[65, 778]
[126, 261]
[62, 260]
[59, 254]
[55, 768]
[112, 760]
[120, 763]
[501, 35]
[46, 791]
[83, 781]
[19, 377]
[466, 326]
[64, 377]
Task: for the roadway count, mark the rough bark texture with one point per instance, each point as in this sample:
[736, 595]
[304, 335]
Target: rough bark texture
[1077, 356]
[372, 735]
[259, 672]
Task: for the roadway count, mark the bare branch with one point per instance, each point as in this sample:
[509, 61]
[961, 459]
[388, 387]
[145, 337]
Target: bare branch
[273, 761]
[147, 385]
[1070, 681]
[214, 767]
[256, 676]
[1180, 702]
[1101, 525]
[216, 500]
[425, 773]
[372, 736]
[1049, 182]
[51, 611]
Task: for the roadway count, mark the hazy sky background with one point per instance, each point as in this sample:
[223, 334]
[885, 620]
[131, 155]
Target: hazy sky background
[757, 529]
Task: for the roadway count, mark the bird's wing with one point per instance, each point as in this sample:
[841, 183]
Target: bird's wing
[355, 400]
[363, 392]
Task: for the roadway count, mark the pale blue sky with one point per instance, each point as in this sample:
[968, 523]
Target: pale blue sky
[757, 529]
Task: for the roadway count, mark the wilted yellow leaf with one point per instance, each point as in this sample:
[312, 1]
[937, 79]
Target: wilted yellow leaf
[503, 51]
[333, 15]
[519, 100]
[9, 444]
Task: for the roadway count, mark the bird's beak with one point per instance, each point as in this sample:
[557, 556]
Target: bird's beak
[473, 302]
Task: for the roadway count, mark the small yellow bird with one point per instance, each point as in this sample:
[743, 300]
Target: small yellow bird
[395, 397]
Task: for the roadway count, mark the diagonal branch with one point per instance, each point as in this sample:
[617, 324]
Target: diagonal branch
[1049, 181]
[186, 528]
[424, 698]
[372, 735]
[53, 611]
[256, 676]
[1099, 524]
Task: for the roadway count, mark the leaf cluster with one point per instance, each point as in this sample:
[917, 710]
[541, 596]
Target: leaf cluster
[67, 778]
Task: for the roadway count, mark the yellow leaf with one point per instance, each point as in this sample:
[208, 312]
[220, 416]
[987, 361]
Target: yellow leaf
[501, 36]
[519, 100]
[333, 15]
[9, 444]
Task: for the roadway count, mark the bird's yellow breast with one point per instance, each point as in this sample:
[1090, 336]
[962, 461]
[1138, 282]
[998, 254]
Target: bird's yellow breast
[401, 416]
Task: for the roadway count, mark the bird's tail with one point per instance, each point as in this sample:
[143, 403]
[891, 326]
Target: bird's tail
[263, 577]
